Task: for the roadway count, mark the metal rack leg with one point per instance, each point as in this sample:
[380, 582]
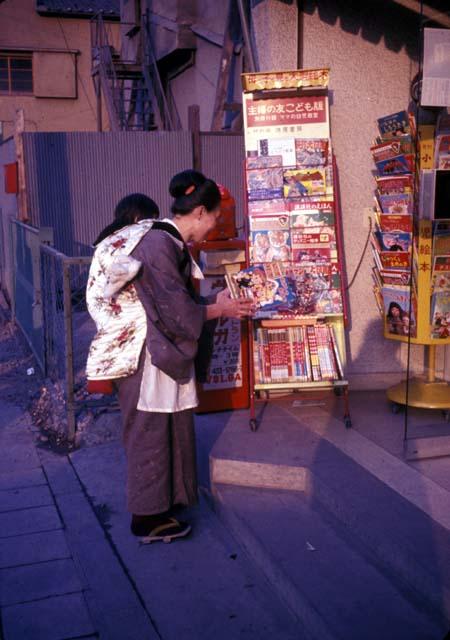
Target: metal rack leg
[253, 423]
[347, 419]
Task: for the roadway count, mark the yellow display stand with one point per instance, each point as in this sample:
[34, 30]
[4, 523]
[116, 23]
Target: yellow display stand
[426, 392]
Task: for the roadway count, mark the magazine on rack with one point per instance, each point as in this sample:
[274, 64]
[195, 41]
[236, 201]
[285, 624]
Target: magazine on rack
[400, 203]
[440, 278]
[440, 315]
[394, 241]
[270, 285]
[399, 316]
[311, 152]
[269, 237]
[299, 183]
[265, 184]
[394, 124]
[401, 164]
[394, 222]
[281, 147]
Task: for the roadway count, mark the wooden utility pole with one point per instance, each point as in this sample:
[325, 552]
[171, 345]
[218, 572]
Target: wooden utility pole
[19, 128]
[194, 128]
[224, 72]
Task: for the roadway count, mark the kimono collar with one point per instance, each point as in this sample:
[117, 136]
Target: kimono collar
[196, 272]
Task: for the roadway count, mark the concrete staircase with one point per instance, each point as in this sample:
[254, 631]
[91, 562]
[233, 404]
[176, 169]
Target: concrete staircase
[347, 553]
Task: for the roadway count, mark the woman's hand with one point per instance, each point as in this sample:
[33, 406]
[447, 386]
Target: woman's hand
[228, 307]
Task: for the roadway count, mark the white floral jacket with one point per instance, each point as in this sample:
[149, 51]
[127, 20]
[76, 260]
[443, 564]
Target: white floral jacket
[120, 318]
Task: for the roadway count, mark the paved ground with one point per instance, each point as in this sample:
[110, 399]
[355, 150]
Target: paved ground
[69, 568]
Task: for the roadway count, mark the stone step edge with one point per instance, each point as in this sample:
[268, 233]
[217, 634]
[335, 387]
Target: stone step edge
[304, 612]
[387, 557]
[258, 475]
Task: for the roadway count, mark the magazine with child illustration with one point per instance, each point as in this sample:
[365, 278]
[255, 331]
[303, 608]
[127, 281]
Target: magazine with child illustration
[269, 285]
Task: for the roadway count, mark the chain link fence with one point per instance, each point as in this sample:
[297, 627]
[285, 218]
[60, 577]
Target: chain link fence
[68, 328]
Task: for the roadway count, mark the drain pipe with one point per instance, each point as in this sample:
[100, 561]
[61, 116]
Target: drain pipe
[246, 33]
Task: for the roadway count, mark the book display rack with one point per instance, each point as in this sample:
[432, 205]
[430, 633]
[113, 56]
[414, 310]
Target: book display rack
[294, 270]
[411, 245]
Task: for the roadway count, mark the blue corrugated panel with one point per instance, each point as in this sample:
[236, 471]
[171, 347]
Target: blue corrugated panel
[74, 180]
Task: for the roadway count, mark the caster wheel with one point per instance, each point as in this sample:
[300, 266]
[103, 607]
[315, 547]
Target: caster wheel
[396, 408]
[348, 422]
[253, 425]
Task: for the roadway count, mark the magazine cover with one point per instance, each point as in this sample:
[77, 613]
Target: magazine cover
[390, 241]
[265, 184]
[386, 150]
[269, 238]
[441, 239]
[440, 315]
[303, 182]
[311, 152]
[395, 123]
[397, 260]
[440, 278]
[312, 218]
[395, 184]
[264, 207]
[395, 222]
[400, 203]
[399, 164]
[263, 162]
[314, 254]
[269, 285]
[318, 289]
[399, 318]
[441, 149]
[280, 147]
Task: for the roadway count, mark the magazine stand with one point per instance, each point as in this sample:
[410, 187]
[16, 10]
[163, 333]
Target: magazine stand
[264, 94]
[426, 392]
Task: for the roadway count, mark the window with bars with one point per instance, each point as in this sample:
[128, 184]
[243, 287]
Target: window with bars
[16, 73]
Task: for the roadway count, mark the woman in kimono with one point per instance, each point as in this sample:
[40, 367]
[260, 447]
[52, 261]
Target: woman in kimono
[157, 400]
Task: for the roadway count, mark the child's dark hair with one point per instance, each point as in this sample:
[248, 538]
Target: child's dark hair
[192, 189]
[129, 210]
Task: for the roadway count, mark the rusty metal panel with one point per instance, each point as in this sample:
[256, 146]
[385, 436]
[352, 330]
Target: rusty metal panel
[223, 161]
[74, 180]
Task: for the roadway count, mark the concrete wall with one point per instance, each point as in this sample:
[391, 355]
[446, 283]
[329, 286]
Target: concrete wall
[22, 27]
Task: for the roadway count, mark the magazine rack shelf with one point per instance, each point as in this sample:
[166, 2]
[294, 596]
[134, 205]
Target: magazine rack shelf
[427, 392]
[411, 245]
[290, 175]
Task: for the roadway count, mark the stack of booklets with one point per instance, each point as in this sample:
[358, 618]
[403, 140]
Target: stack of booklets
[394, 158]
[304, 353]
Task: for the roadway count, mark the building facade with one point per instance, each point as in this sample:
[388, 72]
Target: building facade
[45, 63]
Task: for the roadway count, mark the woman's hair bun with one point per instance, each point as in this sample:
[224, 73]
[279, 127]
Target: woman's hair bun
[181, 184]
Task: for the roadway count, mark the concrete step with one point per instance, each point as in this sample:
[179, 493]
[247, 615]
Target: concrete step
[200, 587]
[378, 508]
[333, 590]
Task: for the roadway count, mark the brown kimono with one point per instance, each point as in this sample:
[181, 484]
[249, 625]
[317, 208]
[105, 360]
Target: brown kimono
[160, 447]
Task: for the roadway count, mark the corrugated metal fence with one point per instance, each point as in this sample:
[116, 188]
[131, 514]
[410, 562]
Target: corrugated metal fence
[74, 180]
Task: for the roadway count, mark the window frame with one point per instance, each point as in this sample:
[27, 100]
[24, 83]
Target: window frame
[17, 55]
